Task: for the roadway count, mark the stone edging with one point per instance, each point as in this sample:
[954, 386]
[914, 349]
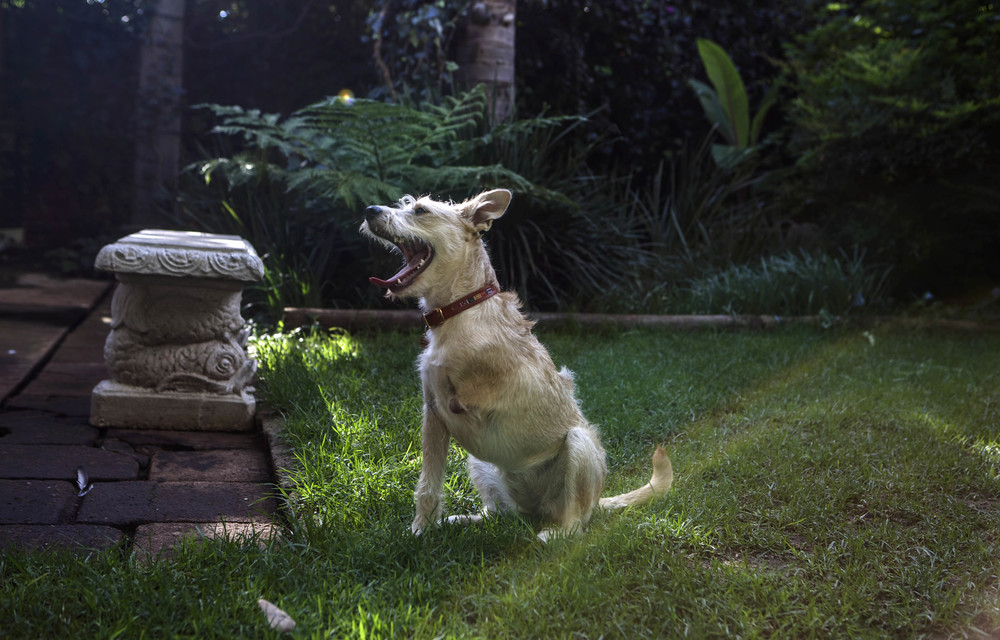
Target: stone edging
[272, 425]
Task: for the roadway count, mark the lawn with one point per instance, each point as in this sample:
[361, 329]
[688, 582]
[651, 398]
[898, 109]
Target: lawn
[829, 483]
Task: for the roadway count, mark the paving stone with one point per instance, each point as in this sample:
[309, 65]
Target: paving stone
[203, 501]
[187, 440]
[41, 427]
[61, 461]
[35, 502]
[127, 503]
[152, 540]
[118, 503]
[74, 537]
[17, 418]
[23, 344]
[67, 379]
[61, 405]
[85, 344]
[117, 446]
[233, 465]
[48, 293]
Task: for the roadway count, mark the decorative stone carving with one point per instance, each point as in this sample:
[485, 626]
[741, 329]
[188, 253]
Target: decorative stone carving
[182, 254]
[176, 353]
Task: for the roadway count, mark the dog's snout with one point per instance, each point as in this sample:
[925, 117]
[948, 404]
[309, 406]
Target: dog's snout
[372, 212]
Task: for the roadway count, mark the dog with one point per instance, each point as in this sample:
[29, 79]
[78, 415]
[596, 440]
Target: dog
[488, 382]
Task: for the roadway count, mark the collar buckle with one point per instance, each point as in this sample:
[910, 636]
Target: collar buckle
[434, 318]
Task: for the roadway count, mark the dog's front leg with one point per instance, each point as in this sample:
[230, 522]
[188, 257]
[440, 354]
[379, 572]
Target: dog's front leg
[429, 493]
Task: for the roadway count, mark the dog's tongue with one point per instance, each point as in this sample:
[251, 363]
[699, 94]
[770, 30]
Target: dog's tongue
[402, 278]
[385, 284]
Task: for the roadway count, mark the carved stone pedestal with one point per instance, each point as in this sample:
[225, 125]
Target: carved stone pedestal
[176, 354]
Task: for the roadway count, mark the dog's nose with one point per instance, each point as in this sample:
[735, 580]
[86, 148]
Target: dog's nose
[372, 212]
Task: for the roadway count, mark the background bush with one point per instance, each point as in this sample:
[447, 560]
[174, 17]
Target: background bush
[893, 127]
[788, 284]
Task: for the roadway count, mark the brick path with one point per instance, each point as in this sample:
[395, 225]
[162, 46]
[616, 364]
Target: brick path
[150, 488]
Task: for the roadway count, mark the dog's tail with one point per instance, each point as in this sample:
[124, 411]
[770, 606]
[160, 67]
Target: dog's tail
[663, 477]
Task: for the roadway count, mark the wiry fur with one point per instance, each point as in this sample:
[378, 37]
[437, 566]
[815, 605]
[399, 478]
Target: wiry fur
[489, 383]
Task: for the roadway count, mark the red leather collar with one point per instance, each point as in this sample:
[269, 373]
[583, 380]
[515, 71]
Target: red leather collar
[440, 314]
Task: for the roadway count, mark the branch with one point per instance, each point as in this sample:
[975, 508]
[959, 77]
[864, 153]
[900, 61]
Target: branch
[386, 74]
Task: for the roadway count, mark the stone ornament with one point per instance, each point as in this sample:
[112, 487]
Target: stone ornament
[172, 341]
[176, 353]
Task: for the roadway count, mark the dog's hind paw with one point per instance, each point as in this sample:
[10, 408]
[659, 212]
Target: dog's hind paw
[474, 518]
[549, 533]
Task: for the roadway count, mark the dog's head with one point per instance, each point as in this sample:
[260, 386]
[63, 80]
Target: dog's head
[440, 242]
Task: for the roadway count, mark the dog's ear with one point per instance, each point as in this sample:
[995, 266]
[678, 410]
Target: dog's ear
[487, 207]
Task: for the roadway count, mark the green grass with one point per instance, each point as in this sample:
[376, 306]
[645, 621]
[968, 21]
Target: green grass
[828, 484]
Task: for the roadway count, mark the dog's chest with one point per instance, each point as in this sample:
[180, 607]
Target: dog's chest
[496, 412]
[441, 394]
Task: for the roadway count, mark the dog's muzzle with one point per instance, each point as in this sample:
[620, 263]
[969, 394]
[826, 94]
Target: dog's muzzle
[417, 254]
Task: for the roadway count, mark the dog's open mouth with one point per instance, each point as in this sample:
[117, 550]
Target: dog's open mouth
[417, 253]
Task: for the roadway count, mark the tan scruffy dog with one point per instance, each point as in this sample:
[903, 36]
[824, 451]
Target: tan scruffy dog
[487, 382]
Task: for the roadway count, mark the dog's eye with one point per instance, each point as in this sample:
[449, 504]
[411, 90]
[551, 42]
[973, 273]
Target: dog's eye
[419, 210]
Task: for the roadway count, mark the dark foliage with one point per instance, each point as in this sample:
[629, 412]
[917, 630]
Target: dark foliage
[895, 129]
[275, 56]
[633, 59]
[411, 43]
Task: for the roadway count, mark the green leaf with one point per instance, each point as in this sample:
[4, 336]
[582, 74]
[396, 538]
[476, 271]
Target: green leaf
[727, 156]
[729, 88]
[714, 110]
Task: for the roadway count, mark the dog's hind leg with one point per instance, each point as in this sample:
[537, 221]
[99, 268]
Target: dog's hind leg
[492, 490]
[489, 483]
[584, 470]
[429, 493]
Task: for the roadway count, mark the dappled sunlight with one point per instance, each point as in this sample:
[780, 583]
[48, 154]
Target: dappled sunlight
[986, 449]
[989, 451]
[313, 345]
[747, 413]
[847, 451]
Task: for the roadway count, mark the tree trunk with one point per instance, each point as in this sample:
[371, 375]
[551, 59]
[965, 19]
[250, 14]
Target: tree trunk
[158, 109]
[485, 53]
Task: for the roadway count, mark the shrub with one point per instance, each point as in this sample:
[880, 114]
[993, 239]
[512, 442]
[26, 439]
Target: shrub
[634, 58]
[789, 284]
[896, 121]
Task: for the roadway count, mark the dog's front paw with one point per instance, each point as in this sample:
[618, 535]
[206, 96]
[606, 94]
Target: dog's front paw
[428, 512]
[420, 524]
